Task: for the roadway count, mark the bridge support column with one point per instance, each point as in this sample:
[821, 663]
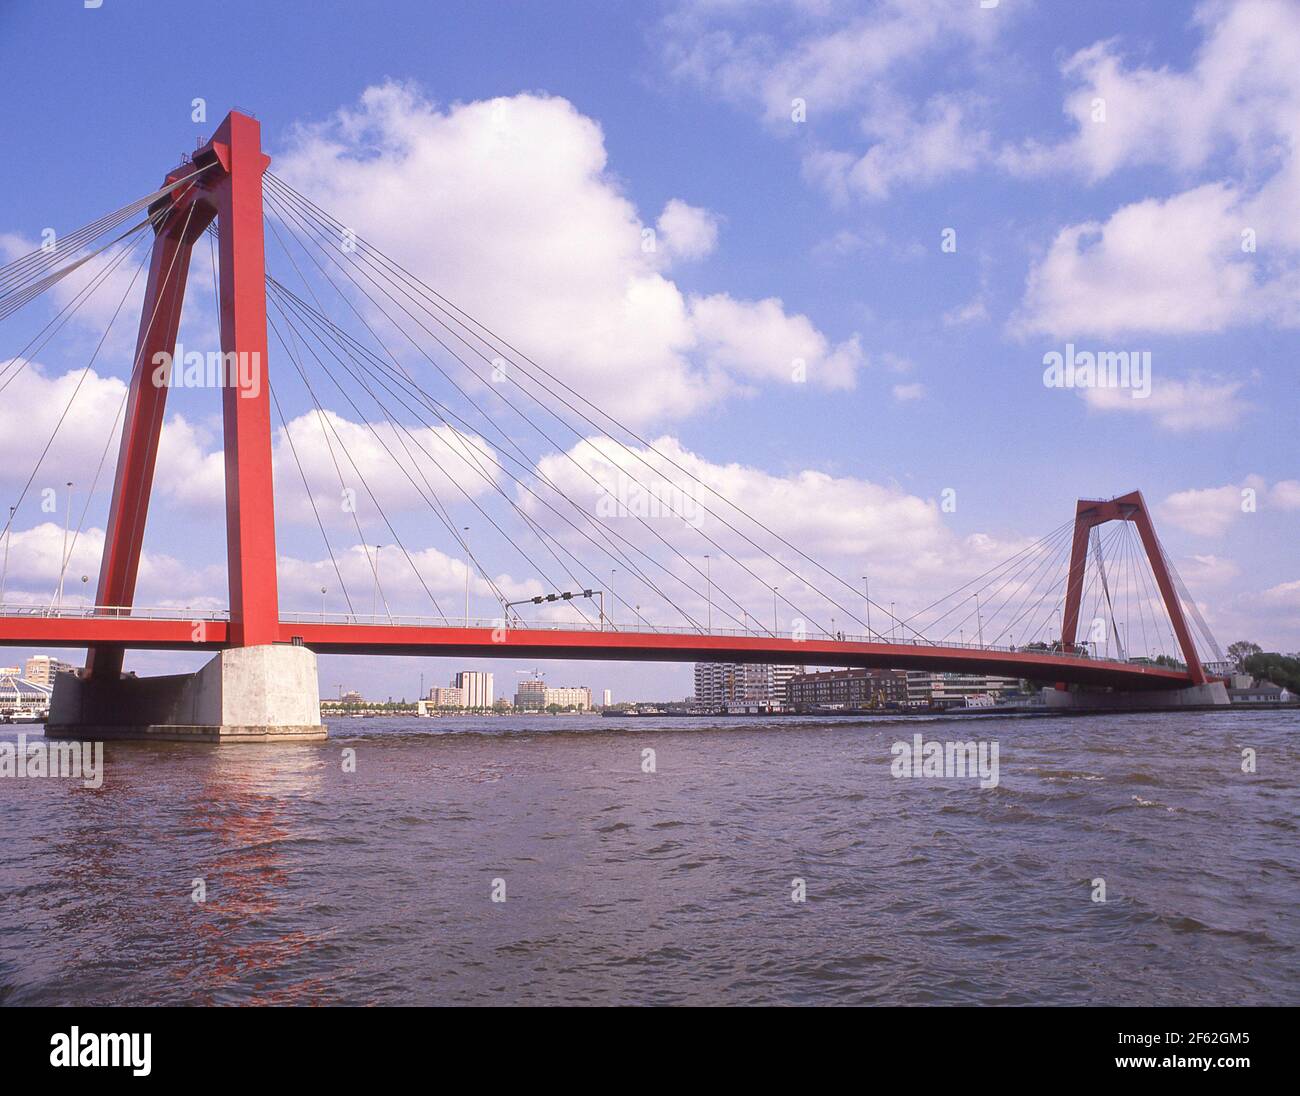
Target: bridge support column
[267, 693]
[1211, 694]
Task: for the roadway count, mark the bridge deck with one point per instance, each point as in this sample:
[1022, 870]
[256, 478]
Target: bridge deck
[482, 640]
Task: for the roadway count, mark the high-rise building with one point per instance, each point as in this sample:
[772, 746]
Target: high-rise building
[40, 669]
[607, 699]
[475, 688]
[741, 685]
[531, 693]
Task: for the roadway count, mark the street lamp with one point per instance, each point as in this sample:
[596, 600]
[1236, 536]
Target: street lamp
[467, 566]
[4, 571]
[67, 520]
[322, 604]
[866, 590]
[978, 619]
[374, 597]
[775, 627]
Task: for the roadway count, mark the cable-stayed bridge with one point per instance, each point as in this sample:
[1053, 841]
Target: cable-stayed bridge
[388, 370]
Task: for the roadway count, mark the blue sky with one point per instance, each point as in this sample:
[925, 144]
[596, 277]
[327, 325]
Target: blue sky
[818, 239]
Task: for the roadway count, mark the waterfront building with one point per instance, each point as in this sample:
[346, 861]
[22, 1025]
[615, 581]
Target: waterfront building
[40, 669]
[849, 689]
[446, 696]
[608, 698]
[20, 697]
[742, 685]
[568, 696]
[930, 689]
[475, 687]
[531, 694]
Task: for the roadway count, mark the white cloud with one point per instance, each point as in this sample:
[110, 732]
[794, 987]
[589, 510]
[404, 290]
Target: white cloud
[830, 58]
[907, 392]
[1193, 404]
[1285, 495]
[840, 521]
[759, 340]
[520, 222]
[835, 59]
[1174, 266]
[1221, 254]
[908, 147]
[687, 231]
[1210, 511]
[370, 457]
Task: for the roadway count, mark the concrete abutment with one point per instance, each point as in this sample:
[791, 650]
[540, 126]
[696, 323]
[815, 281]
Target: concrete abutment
[267, 693]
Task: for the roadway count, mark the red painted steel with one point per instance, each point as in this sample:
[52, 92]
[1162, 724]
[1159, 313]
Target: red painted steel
[250, 502]
[1131, 507]
[586, 645]
[160, 318]
[227, 186]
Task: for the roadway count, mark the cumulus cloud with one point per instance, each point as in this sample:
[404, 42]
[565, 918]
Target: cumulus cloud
[759, 340]
[840, 521]
[687, 231]
[520, 221]
[1223, 253]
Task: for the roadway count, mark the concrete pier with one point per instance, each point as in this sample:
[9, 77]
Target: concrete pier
[246, 694]
[1212, 694]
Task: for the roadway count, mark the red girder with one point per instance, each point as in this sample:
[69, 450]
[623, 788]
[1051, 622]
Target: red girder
[585, 645]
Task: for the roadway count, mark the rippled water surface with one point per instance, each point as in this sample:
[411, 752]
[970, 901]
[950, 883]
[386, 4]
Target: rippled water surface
[375, 887]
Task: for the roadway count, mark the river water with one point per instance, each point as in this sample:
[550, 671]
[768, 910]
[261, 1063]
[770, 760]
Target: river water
[376, 886]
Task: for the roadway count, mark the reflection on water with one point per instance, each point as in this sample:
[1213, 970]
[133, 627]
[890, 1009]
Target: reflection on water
[374, 886]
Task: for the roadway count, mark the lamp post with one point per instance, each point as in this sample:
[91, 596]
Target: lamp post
[866, 590]
[4, 571]
[979, 621]
[774, 612]
[374, 597]
[63, 568]
[322, 604]
[467, 566]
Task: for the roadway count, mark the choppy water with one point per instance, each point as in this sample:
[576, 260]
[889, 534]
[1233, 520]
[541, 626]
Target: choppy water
[375, 886]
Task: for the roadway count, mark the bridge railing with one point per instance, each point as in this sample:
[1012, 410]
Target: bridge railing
[188, 615]
[144, 612]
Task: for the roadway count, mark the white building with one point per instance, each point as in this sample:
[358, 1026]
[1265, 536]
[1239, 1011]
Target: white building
[441, 696]
[926, 688]
[608, 698]
[20, 698]
[475, 688]
[741, 685]
[568, 696]
[42, 668]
